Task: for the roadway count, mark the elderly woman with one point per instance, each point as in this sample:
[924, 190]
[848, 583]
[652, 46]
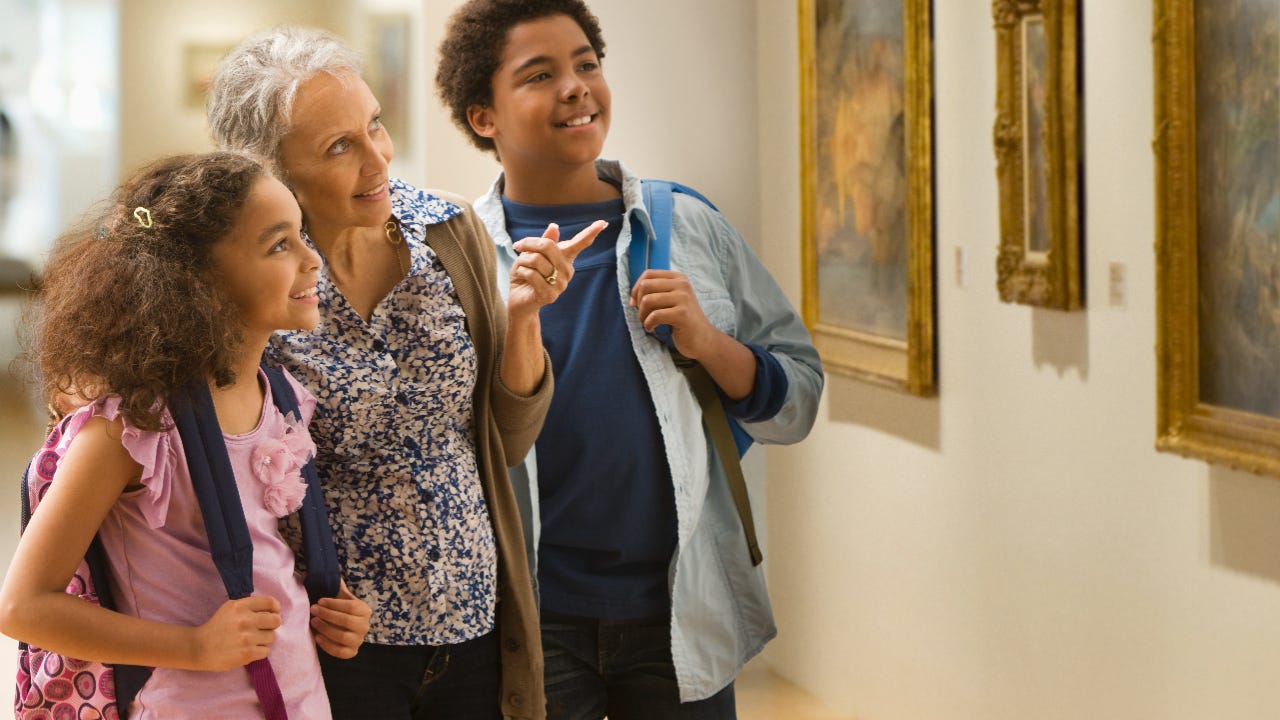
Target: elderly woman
[428, 389]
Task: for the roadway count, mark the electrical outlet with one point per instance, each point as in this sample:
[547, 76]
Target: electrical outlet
[1117, 285]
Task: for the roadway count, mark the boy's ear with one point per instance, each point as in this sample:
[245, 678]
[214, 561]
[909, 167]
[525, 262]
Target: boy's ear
[481, 121]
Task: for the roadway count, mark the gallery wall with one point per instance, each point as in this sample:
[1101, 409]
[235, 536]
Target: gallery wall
[1015, 548]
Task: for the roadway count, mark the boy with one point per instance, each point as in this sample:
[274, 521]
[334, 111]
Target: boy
[650, 601]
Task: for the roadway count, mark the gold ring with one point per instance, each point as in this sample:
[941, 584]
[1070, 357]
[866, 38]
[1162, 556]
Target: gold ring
[551, 279]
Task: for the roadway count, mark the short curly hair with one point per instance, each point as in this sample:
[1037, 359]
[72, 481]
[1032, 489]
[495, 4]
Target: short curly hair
[474, 42]
[129, 301]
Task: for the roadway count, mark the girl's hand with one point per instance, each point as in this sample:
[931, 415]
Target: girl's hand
[341, 623]
[545, 267]
[240, 632]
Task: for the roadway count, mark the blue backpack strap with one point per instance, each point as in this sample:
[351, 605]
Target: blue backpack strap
[654, 251]
[324, 574]
[638, 252]
[214, 483]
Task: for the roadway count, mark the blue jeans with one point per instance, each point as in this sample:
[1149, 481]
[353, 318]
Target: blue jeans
[391, 682]
[619, 668]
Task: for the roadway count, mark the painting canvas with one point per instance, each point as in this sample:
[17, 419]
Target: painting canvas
[867, 188]
[1238, 203]
[1218, 157]
[1035, 185]
[1037, 148]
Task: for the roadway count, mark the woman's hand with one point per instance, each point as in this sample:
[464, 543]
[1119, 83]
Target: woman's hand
[341, 623]
[541, 272]
[240, 632]
[545, 267]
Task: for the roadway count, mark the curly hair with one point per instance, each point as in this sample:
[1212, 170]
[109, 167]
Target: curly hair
[474, 42]
[129, 303]
[253, 88]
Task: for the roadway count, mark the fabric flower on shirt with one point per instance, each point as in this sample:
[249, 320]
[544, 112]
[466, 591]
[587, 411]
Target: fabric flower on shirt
[277, 463]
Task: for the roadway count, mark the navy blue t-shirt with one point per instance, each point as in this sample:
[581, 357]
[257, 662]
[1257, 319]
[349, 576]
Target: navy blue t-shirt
[607, 505]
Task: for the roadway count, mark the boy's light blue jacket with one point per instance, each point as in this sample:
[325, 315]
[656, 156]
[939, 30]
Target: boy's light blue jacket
[720, 612]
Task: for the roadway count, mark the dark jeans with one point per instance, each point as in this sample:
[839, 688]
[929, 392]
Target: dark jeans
[619, 668]
[390, 682]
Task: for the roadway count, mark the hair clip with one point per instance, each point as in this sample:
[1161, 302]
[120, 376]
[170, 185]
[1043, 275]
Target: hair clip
[143, 216]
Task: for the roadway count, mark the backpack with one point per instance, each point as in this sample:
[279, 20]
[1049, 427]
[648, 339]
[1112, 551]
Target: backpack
[730, 439]
[52, 685]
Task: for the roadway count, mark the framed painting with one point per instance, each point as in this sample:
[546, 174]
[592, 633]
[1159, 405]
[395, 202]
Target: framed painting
[867, 188]
[1217, 146]
[1037, 148]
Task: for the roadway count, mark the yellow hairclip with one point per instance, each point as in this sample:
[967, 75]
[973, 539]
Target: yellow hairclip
[143, 215]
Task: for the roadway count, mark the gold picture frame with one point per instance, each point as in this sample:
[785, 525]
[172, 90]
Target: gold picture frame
[867, 188]
[1217, 126]
[1037, 149]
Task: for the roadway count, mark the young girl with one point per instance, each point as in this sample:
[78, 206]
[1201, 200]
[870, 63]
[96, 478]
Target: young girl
[183, 278]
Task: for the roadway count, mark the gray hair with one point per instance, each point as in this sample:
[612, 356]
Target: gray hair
[253, 88]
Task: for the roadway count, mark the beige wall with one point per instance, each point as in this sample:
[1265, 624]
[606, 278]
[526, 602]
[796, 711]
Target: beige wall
[1014, 548]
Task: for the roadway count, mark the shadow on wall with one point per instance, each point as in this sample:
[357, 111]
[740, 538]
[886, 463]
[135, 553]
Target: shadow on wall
[914, 419]
[1243, 532]
[1060, 340]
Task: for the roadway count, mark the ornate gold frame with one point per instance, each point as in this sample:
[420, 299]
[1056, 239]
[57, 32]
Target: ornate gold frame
[1185, 424]
[905, 365]
[1050, 279]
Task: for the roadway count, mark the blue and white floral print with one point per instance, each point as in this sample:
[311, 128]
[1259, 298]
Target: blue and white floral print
[396, 444]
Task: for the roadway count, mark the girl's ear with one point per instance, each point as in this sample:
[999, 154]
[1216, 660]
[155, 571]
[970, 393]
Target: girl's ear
[481, 120]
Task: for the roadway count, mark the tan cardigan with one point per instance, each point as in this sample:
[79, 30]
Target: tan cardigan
[506, 427]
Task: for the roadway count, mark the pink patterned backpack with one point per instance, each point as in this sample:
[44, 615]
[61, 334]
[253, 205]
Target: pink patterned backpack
[53, 686]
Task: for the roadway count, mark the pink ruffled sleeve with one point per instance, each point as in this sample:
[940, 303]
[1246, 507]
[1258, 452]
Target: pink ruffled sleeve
[306, 401]
[156, 452]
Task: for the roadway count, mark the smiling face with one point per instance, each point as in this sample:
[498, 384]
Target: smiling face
[264, 267]
[550, 109]
[335, 155]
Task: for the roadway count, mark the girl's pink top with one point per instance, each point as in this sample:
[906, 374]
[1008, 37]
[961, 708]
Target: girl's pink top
[162, 568]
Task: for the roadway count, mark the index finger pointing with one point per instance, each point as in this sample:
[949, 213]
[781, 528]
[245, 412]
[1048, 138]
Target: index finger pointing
[579, 242]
